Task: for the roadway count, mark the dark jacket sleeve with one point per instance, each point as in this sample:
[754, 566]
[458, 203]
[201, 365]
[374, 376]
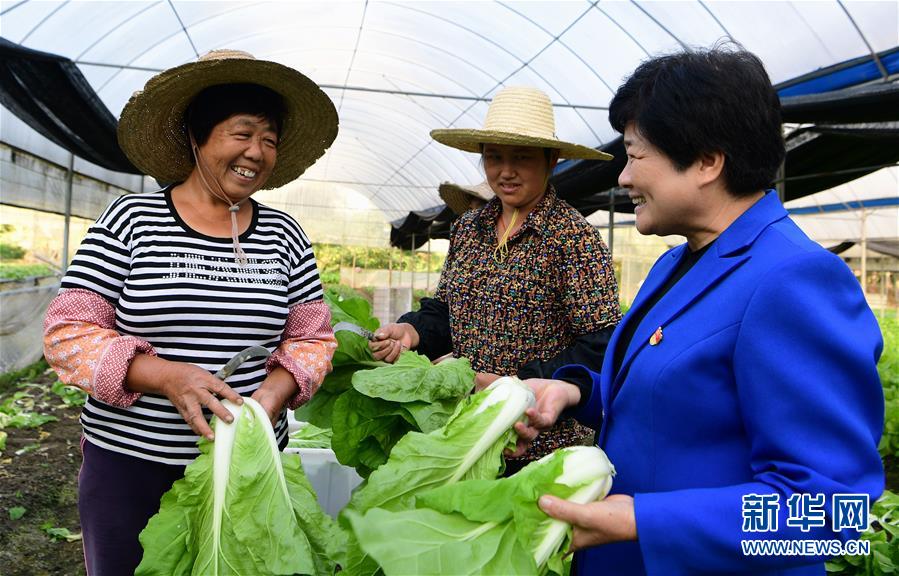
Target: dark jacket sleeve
[587, 350]
[433, 327]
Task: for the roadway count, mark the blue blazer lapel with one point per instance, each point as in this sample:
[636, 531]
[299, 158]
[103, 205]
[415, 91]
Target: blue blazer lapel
[730, 251]
[658, 275]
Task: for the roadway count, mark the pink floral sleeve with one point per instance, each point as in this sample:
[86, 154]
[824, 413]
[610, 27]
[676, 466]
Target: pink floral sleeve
[83, 347]
[306, 349]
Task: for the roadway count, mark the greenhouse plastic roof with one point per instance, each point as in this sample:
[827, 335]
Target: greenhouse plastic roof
[396, 70]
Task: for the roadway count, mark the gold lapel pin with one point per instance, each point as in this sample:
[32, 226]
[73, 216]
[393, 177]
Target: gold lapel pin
[656, 337]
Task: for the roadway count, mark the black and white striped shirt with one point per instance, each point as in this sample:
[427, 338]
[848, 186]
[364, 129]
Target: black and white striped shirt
[183, 293]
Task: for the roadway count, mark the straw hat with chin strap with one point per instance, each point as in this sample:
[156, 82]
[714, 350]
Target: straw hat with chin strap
[517, 116]
[153, 134]
[458, 197]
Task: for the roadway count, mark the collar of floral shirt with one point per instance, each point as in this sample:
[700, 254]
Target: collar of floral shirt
[536, 220]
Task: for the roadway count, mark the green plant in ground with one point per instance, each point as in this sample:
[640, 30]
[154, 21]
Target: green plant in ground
[19, 411]
[11, 271]
[16, 512]
[882, 533]
[10, 379]
[70, 395]
[11, 251]
[57, 533]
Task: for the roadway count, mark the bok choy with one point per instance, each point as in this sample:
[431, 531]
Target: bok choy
[242, 507]
[490, 527]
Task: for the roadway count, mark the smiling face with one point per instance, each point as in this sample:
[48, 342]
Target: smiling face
[517, 174]
[667, 201]
[240, 153]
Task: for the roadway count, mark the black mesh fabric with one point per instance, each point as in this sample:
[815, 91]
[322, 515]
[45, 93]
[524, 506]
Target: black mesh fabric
[49, 93]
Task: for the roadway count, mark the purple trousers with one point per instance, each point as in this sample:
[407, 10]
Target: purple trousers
[117, 495]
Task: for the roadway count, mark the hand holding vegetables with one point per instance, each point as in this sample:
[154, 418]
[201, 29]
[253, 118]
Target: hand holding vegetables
[189, 387]
[391, 340]
[596, 523]
[553, 396]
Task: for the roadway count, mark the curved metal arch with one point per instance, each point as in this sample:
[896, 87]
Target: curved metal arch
[880, 66]
[618, 25]
[368, 130]
[557, 38]
[349, 68]
[13, 7]
[481, 36]
[41, 23]
[183, 29]
[570, 51]
[361, 160]
[399, 191]
[524, 63]
[811, 29]
[387, 55]
[412, 132]
[164, 39]
[662, 26]
[438, 49]
[113, 29]
[377, 133]
[717, 21]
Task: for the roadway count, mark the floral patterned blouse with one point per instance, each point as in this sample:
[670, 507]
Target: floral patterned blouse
[555, 283]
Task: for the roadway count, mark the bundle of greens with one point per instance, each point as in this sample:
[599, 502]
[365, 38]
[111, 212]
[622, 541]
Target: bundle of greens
[352, 354]
[469, 446]
[387, 402]
[489, 527]
[370, 405]
[241, 508]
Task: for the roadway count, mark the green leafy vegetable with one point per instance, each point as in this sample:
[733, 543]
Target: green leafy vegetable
[310, 436]
[490, 527]
[241, 508]
[387, 402]
[57, 533]
[352, 354]
[468, 446]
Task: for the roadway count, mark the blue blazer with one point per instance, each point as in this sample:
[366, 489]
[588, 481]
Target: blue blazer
[764, 382]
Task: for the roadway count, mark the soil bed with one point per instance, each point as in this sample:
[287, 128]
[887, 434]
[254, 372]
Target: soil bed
[39, 472]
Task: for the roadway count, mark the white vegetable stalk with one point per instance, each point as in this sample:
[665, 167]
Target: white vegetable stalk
[585, 466]
[225, 435]
[516, 398]
[221, 464]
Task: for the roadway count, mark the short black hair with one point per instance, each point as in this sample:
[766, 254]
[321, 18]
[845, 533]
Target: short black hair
[218, 103]
[716, 100]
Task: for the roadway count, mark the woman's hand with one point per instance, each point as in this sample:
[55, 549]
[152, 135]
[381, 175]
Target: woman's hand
[553, 396]
[188, 387]
[275, 391]
[597, 523]
[391, 340]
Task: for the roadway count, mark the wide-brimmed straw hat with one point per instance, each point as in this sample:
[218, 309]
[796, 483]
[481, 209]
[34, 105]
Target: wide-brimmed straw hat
[517, 116]
[153, 134]
[458, 197]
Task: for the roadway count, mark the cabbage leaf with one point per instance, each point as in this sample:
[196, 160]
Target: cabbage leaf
[242, 507]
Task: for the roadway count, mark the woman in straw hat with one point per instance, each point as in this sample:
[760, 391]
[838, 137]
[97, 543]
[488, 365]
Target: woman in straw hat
[170, 285]
[528, 284]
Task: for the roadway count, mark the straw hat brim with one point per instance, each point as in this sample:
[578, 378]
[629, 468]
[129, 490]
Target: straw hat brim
[458, 198]
[470, 140]
[152, 131]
